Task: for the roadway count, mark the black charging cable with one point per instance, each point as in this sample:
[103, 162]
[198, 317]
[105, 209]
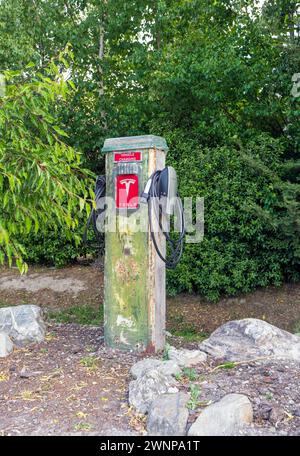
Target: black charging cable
[100, 189]
[175, 245]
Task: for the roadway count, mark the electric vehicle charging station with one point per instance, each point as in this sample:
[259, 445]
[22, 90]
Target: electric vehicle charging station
[135, 264]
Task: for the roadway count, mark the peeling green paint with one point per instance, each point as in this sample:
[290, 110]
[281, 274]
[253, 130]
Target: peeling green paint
[134, 279]
[126, 277]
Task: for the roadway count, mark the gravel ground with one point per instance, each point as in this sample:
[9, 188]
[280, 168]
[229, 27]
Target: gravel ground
[273, 388]
[71, 384]
[68, 385]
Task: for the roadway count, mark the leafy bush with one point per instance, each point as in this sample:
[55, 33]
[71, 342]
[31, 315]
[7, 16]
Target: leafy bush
[214, 78]
[59, 248]
[50, 249]
[244, 245]
[42, 180]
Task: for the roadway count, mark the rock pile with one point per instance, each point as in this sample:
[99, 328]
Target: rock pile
[157, 391]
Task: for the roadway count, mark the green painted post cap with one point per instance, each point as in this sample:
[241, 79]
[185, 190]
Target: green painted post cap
[135, 142]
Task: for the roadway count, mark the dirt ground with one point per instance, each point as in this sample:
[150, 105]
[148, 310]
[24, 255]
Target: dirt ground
[72, 385]
[58, 289]
[52, 288]
[278, 306]
[271, 386]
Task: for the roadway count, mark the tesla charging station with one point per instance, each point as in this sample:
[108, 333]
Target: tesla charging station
[134, 276]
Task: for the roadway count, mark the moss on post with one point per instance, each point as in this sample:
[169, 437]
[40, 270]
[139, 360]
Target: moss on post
[130, 279]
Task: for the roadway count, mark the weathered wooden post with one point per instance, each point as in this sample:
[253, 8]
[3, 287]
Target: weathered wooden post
[134, 277]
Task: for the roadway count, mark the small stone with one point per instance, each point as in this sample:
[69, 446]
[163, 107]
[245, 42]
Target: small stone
[264, 412]
[224, 418]
[24, 373]
[168, 415]
[139, 368]
[173, 389]
[209, 386]
[6, 345]
[27, 374]
[186, 358]
[276, 415]
[23, 324]
[146, 388]
[167, 368]
[296, 412]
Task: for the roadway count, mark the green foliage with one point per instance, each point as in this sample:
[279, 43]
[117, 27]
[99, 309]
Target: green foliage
[166, 351]
[50, 249]
[214, 78]
[247, 214]
[81, 426]
[187, 373]
[269, 396]
[189, 333]
[195, 392]
[81, 314]
[296, 327]
[56, 248]
[190, 373]
[91, 363]
[227, 365]
[42, 182]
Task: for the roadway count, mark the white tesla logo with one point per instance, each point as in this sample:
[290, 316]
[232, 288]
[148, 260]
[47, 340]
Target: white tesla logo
[127, 183]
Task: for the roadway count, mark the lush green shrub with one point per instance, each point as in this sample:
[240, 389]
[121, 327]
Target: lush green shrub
[50, 249]
[243, 247]
[59, 248]
[214, 78]
[42, 179]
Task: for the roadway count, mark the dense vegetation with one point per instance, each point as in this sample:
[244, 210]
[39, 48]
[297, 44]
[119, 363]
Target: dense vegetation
[215, 79]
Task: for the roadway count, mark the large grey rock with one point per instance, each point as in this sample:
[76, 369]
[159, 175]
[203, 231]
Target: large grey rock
[251, 338]
[186, 358]
[169, 367]
[23, 324]
[164, 367]
[168, 415]
[225, 417]
[139, 368]
[6, 345]
[146, 388]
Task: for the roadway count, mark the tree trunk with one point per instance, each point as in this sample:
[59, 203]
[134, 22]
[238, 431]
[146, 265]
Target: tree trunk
[100, 69]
